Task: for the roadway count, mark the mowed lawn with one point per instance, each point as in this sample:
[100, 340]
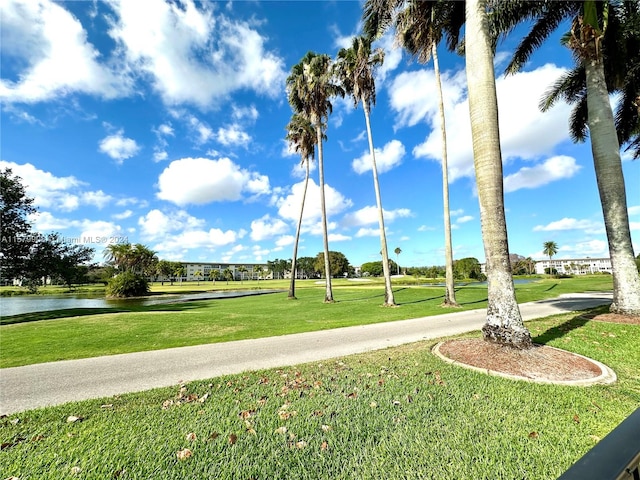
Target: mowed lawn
[398, 413]
[59, 336]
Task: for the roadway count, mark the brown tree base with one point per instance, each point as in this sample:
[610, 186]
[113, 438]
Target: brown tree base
[506, 336]
[541, 363]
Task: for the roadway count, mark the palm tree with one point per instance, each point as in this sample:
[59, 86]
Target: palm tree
[355, 68]
[310, 86]
[504, 322]
[242, 269]
[227, 274]
[550, 248]
[301, 136]
[259, 271]
[197, 274]
[604, 39]
[119, 255]
[418, 32]
[398, 251]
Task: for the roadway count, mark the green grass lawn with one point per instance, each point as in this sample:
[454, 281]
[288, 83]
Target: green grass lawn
[398, 413]
[70, 334]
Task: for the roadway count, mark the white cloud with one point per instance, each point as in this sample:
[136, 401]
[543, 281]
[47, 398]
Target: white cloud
[285, 240]
[119, 147]
[200, 180]
[57, 57]
[123, 215]
[555, 168]
[156, 224]
[267, 227]
[97, 198]
[166, 129]
[289, 205]
[525, 132]
[369, 215]
[193, 55]
[160, 155]
[337, 237]
[387, 158]
[566, 223]
[233, 135]
[368, 232]
[49, 191]
[464, 219]
[240, 113]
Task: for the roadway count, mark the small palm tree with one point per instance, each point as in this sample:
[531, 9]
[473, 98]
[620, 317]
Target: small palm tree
[242, 269]
[550, 248]
[355, 68]
[197, 274]
[227, 274]
[398, 251]
[310, 86]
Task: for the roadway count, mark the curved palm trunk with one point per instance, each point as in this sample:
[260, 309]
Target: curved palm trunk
[504, 321]
[292, 285]
[328, 297]
[450, 293]
[611, 186]
[389, 300]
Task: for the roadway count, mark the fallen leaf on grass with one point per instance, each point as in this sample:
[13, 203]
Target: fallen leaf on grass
[373, 404]
[576, 418]
[75, 470]
[280, 430]
[74, 419]
[191, 437]
[301, 444]
[325, 428]
[324, 446]
[15, 421]
[184, 454]
[233, 438]
[533, 435]
[108, 405]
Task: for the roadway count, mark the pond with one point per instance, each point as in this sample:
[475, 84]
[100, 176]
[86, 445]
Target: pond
[17, 305]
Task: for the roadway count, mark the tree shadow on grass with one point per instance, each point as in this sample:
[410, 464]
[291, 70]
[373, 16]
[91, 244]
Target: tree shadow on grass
[579, 320]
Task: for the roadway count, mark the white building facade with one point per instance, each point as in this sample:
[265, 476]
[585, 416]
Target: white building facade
[575, 266]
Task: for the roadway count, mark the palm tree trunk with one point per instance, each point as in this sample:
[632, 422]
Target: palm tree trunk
[450, 293]
[389, 300]
[292, 285]
[504, 321]
[328, 298]
[611, 186]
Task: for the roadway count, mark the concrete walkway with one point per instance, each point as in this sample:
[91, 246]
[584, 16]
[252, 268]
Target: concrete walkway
[34, 386]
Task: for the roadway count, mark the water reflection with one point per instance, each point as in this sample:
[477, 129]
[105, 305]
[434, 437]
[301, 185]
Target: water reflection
[42, 303]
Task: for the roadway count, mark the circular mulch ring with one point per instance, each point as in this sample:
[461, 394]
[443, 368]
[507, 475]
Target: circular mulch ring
[541, 364]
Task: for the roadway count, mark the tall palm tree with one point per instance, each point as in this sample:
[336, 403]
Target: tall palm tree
[550, 248]
[604, 39]
[310, 86]
[301, 136]
[504, 322]
[420, 27]
[355, 68]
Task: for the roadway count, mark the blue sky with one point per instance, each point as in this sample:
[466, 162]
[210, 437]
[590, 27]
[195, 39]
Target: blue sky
[163, 124]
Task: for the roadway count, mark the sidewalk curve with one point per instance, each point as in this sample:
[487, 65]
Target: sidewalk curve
[46, 384]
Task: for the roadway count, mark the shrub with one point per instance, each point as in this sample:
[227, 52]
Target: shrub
[127, 284]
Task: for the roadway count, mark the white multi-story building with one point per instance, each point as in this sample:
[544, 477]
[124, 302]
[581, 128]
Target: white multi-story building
[240, 271]
[575, 266]
[570, 266]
